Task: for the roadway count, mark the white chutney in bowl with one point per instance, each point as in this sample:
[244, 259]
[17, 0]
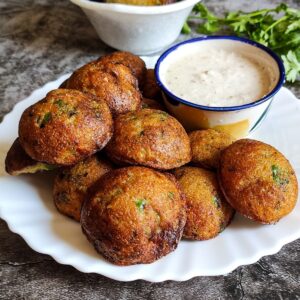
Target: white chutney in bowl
[221, 82]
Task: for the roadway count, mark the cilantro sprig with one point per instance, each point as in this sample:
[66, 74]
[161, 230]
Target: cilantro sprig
[277, 28]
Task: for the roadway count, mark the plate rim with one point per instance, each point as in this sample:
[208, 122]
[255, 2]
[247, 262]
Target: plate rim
[276, 247]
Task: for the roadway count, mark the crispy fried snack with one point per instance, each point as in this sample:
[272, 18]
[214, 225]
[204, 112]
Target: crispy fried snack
[65, 127]
[112, 83]
[207, 145]
[208, 213]
[258, 181]
[18, 162]
[136, 215]
[71, 185]
[150, 138]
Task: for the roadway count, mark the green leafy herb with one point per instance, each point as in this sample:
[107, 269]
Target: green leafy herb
[171, 195]
[47, 117]
[292, 64]
[278, 175]
[216, 201]
[185, 30]
[275, 172]
[59, 103]
[163, 115]
[48, 167]
[140, 204]
[277, 28]
[145, 105]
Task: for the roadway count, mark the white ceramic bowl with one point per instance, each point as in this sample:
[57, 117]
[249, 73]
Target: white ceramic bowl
[141, 30]
[238, 120]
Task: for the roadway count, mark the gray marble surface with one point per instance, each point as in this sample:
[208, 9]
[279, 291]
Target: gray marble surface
[41, 40]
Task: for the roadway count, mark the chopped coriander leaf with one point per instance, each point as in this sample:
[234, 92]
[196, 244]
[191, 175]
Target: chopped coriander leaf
[49, 167]
[277, 28]
[140, 204]
[163, 115]
[47, 117]
[171, 195]
[275, 172]
[291, 64]
[216, 201]
[278, 175]
[59, 103]
[186, 28]
[145, 105]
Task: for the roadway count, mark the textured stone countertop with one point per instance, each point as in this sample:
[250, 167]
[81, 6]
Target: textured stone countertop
[39, 41]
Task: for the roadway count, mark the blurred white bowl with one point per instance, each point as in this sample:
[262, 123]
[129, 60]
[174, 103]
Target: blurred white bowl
[141, 30]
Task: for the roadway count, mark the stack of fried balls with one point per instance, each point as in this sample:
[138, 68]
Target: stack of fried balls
[130, 173]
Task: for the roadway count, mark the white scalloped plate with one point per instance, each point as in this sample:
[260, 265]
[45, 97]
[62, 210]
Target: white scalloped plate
[26, 205]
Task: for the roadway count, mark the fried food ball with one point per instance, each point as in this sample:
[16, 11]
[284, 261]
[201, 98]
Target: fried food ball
[150, 138]
[18, 162]
[71, 184]
[206, 146]
[133, 62]
[207, 211]
[258, 181]
[150, 103]
[136, 215]
[113, 83]
[150, 88]
[65, 127]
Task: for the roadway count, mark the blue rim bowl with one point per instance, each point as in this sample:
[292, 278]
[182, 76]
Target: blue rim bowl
[276, 58]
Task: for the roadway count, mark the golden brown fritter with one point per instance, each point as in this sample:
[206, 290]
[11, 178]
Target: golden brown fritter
[207, 211]
[150, 103]
[71, 184]
[150, 88]
[18, 162]
[136, 215]
[150, 138]
[258, 181]
[133, 62]
[112, 83]
[65, 127]
[206, 146]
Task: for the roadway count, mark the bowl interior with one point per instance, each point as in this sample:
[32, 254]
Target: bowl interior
[247, 48]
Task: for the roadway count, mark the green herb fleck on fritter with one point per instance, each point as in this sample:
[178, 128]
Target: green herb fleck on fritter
[216, 201]
[49, 167]
[171, 195]
[163, 115]
[59, 103]
[145, 105]
[47, 117]
[140, 204]
[278, 175]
